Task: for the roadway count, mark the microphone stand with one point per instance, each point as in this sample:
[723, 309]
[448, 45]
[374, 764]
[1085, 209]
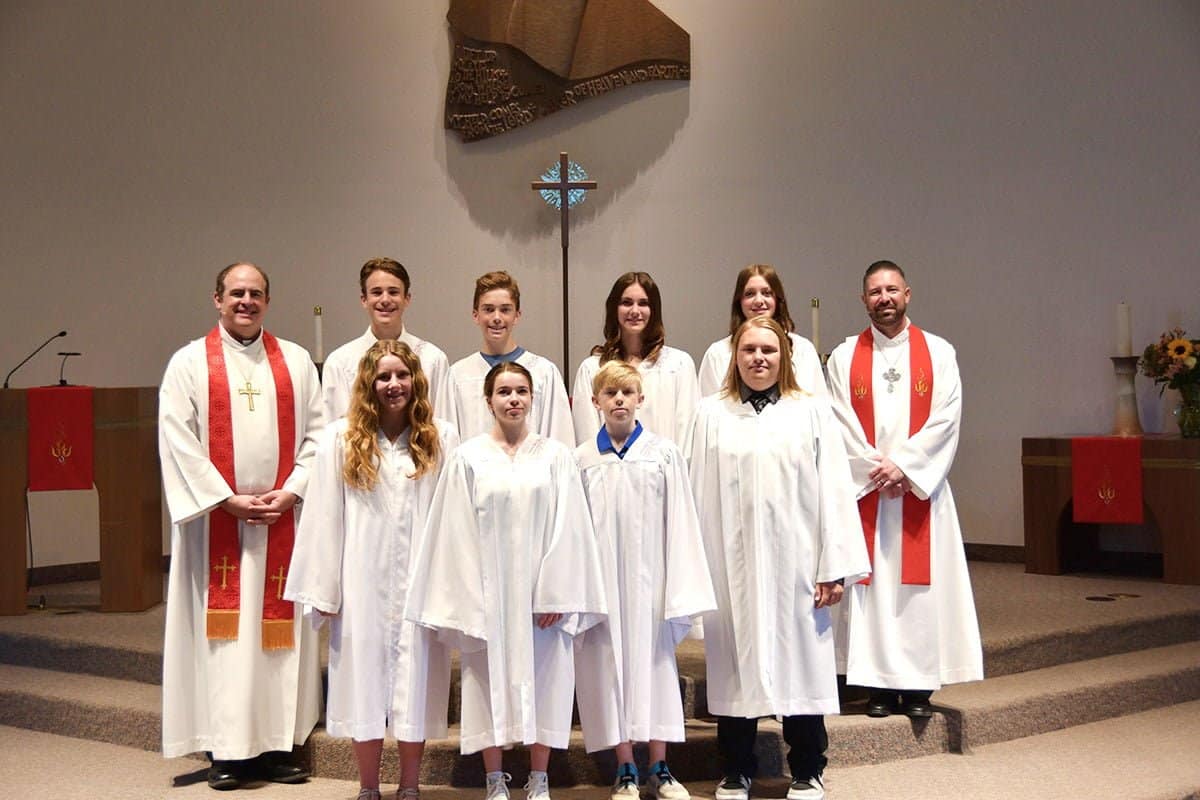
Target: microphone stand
[61, 380]
[31, 355]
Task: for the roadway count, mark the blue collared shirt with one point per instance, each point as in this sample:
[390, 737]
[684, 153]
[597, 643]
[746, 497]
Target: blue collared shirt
[511, 355]
[604, 441]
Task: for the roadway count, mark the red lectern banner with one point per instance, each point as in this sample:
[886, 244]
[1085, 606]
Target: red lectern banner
[1106, 479]
[60, 438]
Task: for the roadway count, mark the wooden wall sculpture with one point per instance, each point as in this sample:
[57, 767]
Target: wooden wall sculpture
[515, 61]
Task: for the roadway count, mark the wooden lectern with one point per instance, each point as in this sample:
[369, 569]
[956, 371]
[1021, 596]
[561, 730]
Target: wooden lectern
[128, 487]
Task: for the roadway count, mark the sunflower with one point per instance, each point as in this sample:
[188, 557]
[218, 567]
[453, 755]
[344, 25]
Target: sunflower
[1179, 349]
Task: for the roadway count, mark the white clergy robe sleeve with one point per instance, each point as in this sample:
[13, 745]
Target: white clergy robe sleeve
[687, 587]
[556, 408]
[842, 551]
[583, 413]
[192, 486]
[927, 455]
[307, 388]
[446, 590]
[863, 456]
[569, 580]
[315, 575]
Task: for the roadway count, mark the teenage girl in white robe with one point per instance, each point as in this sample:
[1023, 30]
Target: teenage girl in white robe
[633, 333]
[758, 292]
[509, 573]
[375, 474]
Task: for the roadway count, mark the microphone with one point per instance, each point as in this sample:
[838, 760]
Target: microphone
[61, 380]
[31, 355]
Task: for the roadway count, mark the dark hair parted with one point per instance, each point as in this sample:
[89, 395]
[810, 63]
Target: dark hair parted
[360, 469]
[768, 274]
[880, 266]
[655, 335]
[489, 382]
[388, 265]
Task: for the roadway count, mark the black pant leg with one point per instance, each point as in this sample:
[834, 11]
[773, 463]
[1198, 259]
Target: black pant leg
[735, 741]
[807, 742]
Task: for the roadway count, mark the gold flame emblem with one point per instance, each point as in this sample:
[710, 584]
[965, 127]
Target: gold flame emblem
[61, 449]
[921, 384]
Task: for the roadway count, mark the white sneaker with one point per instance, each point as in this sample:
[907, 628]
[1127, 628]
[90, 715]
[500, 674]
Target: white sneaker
[497, 786]
[734, 787]
[807, 789]
[664, 785]
[538, 786]
[625, 787]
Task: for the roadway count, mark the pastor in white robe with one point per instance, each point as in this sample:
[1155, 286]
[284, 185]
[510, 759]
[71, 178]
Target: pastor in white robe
[341, 368]
[669, 385]
[903, 636]
[231, 697]
[549, 416]
[509, 539]
[354, 551]
[805, 363]
[650, 544]
[778, 514]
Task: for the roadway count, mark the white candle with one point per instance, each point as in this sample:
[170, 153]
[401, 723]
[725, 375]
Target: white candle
[816, 324]
[318, 336]
[1124, 330]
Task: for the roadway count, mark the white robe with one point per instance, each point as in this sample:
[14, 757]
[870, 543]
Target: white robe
[549, 416]
[668, 383]
[341, 367]
[650, 542]
[897, 636]
[805, 363]
[508, 539]
[353, 556]
[231, 697]
[778, 515]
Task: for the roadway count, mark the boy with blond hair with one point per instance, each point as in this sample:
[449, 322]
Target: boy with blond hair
[656, 578]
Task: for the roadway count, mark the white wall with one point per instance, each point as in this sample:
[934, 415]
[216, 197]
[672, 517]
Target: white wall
[1030, 164]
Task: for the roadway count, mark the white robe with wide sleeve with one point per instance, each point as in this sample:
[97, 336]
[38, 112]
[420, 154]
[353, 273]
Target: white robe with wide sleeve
[650, 542]
[353, 556]
[898, 636]
[341, 367]
[549, 416]
[231, 697]
[670, 388]
[508, 539]
[805, 364]
[778, 514]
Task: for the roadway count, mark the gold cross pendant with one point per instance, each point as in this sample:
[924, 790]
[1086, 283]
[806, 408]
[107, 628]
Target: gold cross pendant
[248, 391]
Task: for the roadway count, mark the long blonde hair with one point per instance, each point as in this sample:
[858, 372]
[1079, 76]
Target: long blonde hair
[361, 467]
[787, 376]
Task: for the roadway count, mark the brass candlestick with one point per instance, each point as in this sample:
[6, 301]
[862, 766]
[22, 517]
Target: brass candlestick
[1126, 422]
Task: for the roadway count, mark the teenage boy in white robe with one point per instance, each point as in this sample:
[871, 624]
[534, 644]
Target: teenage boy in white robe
[782, 535]
[649, 538]
[373, 481]
[385, 293]
[509, 572]
[496, 309]
[897, 393]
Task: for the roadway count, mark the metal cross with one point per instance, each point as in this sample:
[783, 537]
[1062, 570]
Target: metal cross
[564, 185]
[249, 392]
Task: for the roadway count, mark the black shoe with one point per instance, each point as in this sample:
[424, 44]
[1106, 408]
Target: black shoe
[733, 787]
[224, 775]
[278, 768]
[881, 704]
[916, 706]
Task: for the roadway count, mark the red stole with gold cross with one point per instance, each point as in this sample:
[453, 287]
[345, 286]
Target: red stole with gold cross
[224, 549]
[914, 543]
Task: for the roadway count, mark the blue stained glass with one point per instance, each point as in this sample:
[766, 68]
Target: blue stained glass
[553, 197]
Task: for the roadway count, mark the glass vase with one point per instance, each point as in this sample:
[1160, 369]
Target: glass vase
[1188, 412]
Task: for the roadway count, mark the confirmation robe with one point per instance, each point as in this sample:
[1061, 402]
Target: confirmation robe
[341, 367]
[668, 383]
[508, 539]
[231, 697]
[549, 416]
[353, 557]
[905, 636]
[650, 546]
[805, 363]
[778, 515]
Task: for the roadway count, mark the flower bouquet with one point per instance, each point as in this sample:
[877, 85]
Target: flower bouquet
[1173, 362]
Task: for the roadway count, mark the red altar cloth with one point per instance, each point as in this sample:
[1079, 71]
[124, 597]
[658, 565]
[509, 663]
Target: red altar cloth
[1106, 479]
[61, 438]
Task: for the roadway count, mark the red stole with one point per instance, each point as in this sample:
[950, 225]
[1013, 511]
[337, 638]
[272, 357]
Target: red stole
[914, 547]
[224, 549]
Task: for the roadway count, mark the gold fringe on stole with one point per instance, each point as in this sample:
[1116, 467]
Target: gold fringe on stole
[278, 634]
[222, 623]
